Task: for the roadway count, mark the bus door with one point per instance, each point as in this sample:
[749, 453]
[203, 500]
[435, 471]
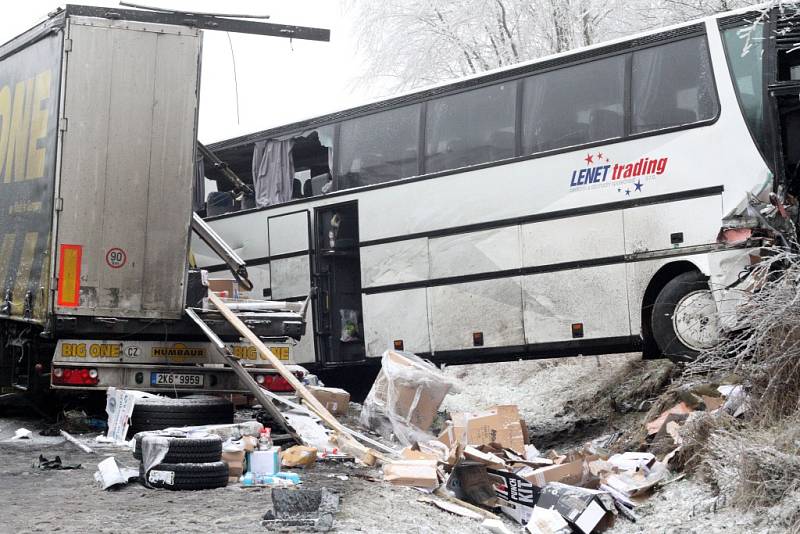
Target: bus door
[289, 239]
[337, 281]
[783, 77]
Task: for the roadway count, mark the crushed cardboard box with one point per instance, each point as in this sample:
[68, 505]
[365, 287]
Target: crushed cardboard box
[585, 510]
[497, 425]
[405, 397]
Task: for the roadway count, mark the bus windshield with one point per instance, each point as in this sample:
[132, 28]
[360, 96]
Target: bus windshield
[745, 50]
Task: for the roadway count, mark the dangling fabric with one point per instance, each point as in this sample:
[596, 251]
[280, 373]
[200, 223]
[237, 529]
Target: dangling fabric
[273, 171]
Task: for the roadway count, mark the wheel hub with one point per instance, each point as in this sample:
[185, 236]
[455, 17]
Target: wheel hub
[695, 320]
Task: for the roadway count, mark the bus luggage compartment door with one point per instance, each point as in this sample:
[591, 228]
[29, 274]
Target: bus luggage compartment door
[340, 325]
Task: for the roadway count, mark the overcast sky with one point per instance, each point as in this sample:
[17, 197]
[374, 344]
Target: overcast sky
[279, 81]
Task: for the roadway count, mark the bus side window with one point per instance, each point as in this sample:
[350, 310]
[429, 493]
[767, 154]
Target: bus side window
[574, 105]
[470, 128]
[672, 85]
[379, 148]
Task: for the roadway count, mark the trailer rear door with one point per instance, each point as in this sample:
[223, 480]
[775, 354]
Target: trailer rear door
[130, 113]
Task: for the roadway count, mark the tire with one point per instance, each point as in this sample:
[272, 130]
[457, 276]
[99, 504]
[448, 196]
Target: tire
[186, 476]
[161, 413]
[185, 450]
[681, 337]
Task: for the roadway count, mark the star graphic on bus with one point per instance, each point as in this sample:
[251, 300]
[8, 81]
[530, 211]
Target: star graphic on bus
[589, 159]
[627, 192]
[600, 157]
[638, 185]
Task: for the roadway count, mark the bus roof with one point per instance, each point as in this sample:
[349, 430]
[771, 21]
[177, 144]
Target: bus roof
[488, 76]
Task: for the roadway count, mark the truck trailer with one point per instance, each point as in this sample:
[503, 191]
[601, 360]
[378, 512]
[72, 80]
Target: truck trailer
[98, 155]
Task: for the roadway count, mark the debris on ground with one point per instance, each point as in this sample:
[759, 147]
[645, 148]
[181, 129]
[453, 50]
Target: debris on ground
[302, 509]
[110, 475]
[21, 433]
[55, 463]
[82, 446]
[405, 397]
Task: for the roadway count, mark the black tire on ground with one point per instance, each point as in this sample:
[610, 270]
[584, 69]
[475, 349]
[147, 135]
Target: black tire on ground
[185, 450]
[186, 476]
[159, 413]
[661, 321]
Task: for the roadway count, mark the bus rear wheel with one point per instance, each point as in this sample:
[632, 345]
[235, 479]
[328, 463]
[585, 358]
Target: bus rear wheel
[684, 320]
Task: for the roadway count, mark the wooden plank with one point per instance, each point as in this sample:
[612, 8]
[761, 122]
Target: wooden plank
[365, 454]
[227, 357]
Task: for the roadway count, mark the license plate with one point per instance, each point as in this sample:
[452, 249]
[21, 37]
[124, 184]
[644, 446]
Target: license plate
[175, 379]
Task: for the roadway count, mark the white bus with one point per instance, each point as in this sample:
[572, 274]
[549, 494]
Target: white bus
[577, 203]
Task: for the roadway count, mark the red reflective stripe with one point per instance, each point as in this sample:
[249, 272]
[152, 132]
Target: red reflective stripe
[69, 276]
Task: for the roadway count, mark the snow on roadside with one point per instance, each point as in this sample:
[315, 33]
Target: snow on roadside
[540, 388]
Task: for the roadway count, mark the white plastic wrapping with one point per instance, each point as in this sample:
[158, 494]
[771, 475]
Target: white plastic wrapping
[405, 397]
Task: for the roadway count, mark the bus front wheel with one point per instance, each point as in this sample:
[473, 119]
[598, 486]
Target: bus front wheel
[684, 320]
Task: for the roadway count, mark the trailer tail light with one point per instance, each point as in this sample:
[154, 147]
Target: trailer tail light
[276, 383]
[75, 376]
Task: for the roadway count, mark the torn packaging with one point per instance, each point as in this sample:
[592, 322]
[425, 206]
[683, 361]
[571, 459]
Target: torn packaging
[469, 482]
[576, 473]
[585, 510]
[547, 521]
[405, 396]
[516, 496]
[499, 424]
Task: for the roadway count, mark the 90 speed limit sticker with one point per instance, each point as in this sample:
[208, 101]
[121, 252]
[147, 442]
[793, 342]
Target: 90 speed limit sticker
[116, 258]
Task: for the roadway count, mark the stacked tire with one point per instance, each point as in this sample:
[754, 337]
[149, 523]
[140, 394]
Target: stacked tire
[159, 412]
[191, 463]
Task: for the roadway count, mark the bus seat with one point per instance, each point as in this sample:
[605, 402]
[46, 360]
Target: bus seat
[317, 182]
[248, 202]
[455, 154]
[502, 145]
[219, 202]
[604, 124]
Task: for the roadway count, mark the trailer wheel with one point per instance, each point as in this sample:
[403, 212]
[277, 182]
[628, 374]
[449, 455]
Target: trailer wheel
[160, 413]
[186, 476]
[684, 319]
[182, 449]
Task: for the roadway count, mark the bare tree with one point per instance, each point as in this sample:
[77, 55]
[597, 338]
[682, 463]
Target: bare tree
[410, 43]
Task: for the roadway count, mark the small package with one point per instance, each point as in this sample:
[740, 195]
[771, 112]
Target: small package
[264, 462]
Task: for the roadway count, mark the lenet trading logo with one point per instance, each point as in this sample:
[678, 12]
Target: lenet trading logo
[600, 172]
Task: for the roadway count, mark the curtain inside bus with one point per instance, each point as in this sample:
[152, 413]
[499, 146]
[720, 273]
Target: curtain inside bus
[273, 171]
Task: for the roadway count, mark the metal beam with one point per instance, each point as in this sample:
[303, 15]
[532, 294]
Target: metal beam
[202, 22]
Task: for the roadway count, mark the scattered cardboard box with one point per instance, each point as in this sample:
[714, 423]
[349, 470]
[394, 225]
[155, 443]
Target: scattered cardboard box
[499, 424]
[224, 287]
[335, 400]
[585, 510]
[415, 473]
[516, 496]
[486, 458]
[655, 425]
[409, 453]
[547, 521]
[405, 396]
[470, 482]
